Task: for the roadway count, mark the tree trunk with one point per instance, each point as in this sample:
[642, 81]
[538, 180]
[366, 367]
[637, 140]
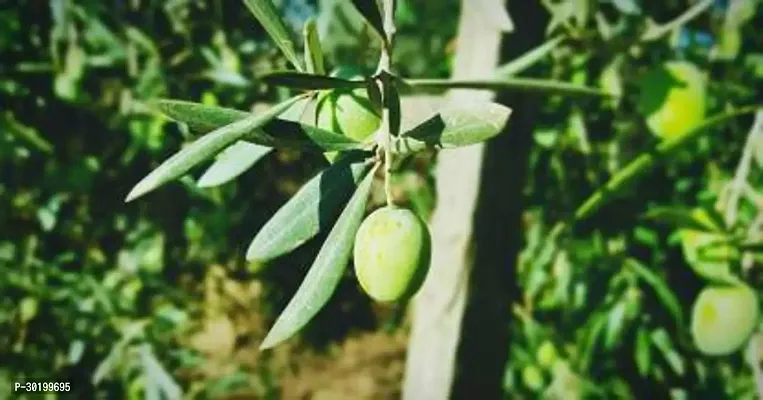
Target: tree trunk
[460, 335]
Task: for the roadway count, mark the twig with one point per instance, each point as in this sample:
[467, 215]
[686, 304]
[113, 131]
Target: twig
[385, 63]
[737, 185]
[659, 31]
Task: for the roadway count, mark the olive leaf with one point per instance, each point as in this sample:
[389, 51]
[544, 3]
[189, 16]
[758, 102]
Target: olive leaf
[455, 125]
[312, 209]
[686, 218]
[661, 288]
[326, 272]
[529, 58]
[616, 320]
[313, 50]
[232, 162]
[300, 80]
[373, 14]
[286, 131]
[643, 352]
[204, 148]
[199, 117]
[646, 161]
[544, 86]
[267, 14]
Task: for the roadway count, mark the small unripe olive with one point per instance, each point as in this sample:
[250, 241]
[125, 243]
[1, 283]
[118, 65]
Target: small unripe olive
[348, 112]
[723, 318]
[532, 378]
[392, 253]
[673, 99]
[546, 355]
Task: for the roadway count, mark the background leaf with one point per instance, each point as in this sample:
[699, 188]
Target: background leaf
[313, 49]
[269, 17]
[298, 80]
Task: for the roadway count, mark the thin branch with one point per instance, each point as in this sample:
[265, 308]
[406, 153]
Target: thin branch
[659, 31]
[737, 185]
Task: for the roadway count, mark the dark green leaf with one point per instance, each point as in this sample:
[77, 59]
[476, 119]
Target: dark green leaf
[288, 134]
[661, 288]
[204, 148]
[326, 272]
[454, 126]
[299, 80]
[312, 209]
[313, 50]
[373, 14]
[392, 103]
[267, 14]
[543, 86]
[232, 162]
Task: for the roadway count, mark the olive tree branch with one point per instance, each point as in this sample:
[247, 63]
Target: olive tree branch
[657, 31]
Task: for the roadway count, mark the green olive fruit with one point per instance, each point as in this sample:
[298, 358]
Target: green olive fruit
[723, 318]
[546, 354]
[392, 253]
[349, 112]
[532, 378]
[673, 99]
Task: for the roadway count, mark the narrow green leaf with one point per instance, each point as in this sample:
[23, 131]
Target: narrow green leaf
[392, 103]
[661, 288]
[630, 7]
[684, 218]
[521, 85]
[529, 58]
[325, 273]
[312, 209]
[232, 162]
[300, 80]
[199, 117]
[158, 376]
[454, 126]
[646, 161]
[371, 12]
[203, 148]
[661, 340]
[288, 134]
[313, 50]
[267, 14]
[615, 324]
[643, 352]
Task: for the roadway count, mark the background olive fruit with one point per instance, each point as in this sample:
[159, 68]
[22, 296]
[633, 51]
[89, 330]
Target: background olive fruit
[546, 355]
[392, 253]
[673, 99]
[723, 318]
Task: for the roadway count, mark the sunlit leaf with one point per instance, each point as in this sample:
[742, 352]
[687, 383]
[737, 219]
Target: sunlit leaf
[204, 148]
[267, 14]
[313, 50]
[615, 324]
[454, 126]
[325, 273]
[232, 162]
[200, 118]
[299, 80]
[312, 209]
[685, 218]
[157, 376]
[643, 352]
[630, 7]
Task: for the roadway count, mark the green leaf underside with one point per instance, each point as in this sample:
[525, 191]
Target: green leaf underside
[267, 14]
[456, 125]
[311, 210]
[325, 273]
[232, 162]
[543, 86]
[300, 80]
[283, 132]
[204, 148]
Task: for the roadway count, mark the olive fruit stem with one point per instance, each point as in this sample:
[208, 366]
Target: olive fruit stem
[385, 62]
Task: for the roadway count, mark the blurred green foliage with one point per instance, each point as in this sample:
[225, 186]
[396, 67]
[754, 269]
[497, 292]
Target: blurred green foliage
[100, 293]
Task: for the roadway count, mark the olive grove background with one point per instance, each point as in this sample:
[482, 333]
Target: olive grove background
[121, 299]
